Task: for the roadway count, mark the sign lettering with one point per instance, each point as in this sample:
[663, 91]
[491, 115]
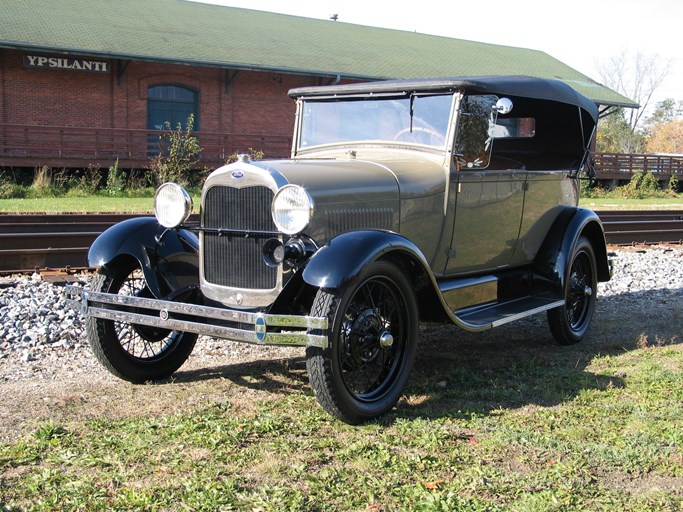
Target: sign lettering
[39, 61]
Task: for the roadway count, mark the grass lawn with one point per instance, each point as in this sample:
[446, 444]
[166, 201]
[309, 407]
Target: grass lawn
[655, 203]
[90, 204]
[539, 435]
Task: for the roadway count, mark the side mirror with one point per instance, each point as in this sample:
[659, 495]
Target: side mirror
[503, 106]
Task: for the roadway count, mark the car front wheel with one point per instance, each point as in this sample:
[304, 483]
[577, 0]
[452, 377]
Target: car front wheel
[372, 333]
[132, 352]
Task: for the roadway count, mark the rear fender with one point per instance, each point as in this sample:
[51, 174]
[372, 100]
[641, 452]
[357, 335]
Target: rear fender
[169, 258]
[554, 258]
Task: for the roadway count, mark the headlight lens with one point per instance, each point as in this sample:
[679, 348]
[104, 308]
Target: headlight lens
[292, 209]
[172, 205]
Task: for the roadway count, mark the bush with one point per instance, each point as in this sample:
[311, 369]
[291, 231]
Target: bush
[47, 183]
[178, 154]
[85, 182]
[12, 191]
[254, 154]
[116, 179]
[642, 185]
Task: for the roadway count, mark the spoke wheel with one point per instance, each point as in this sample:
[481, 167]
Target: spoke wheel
[570, 322]
[373, 336]
[136, 353]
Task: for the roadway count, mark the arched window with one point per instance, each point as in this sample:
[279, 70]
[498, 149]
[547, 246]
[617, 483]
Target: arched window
[172, 104]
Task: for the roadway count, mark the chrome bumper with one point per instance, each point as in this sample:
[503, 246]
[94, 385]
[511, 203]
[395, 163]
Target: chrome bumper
[265, 329]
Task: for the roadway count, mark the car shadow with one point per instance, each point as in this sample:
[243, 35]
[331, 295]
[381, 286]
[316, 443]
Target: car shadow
[284, 375]
[458, 373]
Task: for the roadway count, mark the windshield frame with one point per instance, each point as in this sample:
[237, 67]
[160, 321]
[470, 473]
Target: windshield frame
[412, 121]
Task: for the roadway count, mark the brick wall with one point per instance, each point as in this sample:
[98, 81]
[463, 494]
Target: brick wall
[246, 103]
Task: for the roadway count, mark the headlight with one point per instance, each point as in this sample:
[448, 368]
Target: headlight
[292, 209]
[172, 205]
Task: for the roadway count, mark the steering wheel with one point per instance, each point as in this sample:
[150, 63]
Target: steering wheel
[429, 131]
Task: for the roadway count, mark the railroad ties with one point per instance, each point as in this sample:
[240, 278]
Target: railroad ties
[630, 227]
[60, 242]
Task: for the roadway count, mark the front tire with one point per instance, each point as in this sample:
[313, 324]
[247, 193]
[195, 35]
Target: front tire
[135, 353]
[372, 333]
[569, 323]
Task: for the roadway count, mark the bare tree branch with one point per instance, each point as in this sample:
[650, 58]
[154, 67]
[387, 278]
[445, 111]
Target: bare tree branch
[635, 76]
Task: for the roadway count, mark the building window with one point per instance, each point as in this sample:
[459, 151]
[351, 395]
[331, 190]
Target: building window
[171, 104]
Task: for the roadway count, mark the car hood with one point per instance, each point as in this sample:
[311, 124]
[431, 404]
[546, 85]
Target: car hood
[333, 181]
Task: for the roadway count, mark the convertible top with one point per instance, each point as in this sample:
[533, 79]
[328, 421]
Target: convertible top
[512, 85]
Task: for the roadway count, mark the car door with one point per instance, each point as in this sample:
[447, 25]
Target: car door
[489, 199]
[488, 212]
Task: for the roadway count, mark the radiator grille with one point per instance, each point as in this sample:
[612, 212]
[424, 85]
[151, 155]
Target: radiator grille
[234, 261]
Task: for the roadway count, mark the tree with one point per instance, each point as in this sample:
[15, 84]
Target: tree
[616, 136]
[665, 111]
[666, 137]
[635, 76]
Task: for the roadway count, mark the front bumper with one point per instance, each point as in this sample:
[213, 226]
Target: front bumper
[244, 326]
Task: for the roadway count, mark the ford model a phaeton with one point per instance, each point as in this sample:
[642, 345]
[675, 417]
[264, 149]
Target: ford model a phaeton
[442, 200]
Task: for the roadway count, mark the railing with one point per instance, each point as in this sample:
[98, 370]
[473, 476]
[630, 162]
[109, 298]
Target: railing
[23, 145]
[62, 146]
[621, 166]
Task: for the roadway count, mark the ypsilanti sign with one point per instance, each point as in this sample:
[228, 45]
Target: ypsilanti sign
[39, 61]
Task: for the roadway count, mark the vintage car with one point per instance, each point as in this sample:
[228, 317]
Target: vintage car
[449, 200]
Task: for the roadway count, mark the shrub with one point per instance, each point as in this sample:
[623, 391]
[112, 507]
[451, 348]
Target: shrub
[254, 154]
[12, 191]
[116, 179]
[642, 185]
[178, 154]
[47, 183]
[85, 182]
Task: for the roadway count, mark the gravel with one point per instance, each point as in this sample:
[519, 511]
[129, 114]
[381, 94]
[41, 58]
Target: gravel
[40, 336]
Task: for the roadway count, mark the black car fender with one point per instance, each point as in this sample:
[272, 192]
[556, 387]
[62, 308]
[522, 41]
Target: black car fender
[554, 257]
[169, 258]
[344, 257]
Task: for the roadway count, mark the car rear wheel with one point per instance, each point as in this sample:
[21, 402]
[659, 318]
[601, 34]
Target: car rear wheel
[373, 331]
[132, 352]
[569, 323]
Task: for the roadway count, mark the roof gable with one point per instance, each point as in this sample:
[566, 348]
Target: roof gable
[195, 33]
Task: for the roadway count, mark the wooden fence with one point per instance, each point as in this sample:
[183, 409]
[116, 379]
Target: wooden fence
[61, 146]
[619, 166]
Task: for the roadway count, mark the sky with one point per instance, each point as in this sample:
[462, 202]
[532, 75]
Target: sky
[583, 34]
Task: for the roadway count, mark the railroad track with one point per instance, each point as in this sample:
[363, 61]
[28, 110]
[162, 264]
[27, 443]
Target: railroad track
[43, 242]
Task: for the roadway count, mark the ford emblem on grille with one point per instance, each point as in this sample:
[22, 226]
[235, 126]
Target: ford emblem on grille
[237, 174]
[260, 328]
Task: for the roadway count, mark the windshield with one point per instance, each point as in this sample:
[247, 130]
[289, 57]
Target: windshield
[376, 120]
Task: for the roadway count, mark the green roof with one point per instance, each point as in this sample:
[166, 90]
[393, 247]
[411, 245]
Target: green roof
[194, 33]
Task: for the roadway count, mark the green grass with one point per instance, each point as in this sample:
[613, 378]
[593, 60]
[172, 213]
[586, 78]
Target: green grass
[654, 203]
[527, 437]
[88, 204]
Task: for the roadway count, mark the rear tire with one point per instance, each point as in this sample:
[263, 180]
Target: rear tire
[569, 323]
[372, 333]
[135, 353]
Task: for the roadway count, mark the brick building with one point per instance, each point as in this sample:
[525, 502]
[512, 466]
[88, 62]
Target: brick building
[88, 81]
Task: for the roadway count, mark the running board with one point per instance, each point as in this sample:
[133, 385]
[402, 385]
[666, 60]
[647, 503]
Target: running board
[493, 315]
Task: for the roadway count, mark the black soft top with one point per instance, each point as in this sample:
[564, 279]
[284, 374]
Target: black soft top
[504, 85]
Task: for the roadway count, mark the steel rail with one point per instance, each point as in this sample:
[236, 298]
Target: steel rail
[35, 242]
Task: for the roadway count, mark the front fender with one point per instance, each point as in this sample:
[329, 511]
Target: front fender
[344, 257]
[169, 258]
